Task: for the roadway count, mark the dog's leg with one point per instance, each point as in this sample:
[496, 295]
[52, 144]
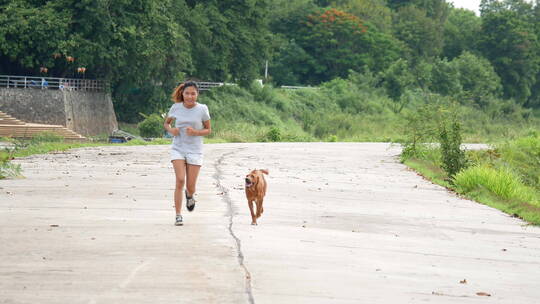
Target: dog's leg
[253, 218]
[259, 208]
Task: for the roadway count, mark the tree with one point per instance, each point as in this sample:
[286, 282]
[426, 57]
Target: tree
[397, 78]
[372, 11]
[435, 9]
[142, 47]
[211, 42]
[480, 84]
[421, 34]
[248, 21]
[396, 4]
[339, 41]
[461, 33]
[30, 35]
[291, 64]
[534, 100]
[231, 39]
[136, 45]
[509, 42]
[445, 78]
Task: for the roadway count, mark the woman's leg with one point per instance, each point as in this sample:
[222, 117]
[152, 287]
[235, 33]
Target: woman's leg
[192, 172]
[180, 172]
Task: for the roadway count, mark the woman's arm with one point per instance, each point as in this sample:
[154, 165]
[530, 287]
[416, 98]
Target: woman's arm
[207, 130]
[167, 126]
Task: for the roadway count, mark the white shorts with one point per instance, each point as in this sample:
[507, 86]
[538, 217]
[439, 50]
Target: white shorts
[190, 158]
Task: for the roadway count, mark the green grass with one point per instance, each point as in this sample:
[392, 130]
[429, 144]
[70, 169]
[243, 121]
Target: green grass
[523, 154]
[503, 178]
[502, 182]
[46, 147]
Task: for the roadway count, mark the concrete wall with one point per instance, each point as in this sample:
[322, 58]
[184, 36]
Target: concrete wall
[87, 113]
[33, 105]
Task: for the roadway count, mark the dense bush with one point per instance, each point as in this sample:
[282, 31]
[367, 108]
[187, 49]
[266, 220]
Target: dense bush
[7, 168]
[502, 182]
[453, 157]
[523, 154]
[355, 109]
[151, 126]
[274, 134]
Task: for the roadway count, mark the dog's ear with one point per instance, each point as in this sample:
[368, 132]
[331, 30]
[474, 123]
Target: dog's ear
[265, 171]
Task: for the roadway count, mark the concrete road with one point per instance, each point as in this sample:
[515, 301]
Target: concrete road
[343, 223]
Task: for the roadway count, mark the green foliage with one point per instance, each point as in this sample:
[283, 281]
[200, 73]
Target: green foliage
[396, 79]
[497, 177]
[235, 104]
[372, 11]
[30, 34]
[461, 32]
[134, 45]
[421, 34]
[479, 82]
[230, 39]
[502, 182]
[523, 155]
[509, 41]
[468, 78]
[274, 134]
[335, 39]
[353, 97]
[354, 109]
[292, 64]
[332, 138]
[445, 78]
[323, 44]
[419, 128]
[47, 137]
[452, 156]
[151, 126]
[7, 168]
[410, 49]
[144, 48]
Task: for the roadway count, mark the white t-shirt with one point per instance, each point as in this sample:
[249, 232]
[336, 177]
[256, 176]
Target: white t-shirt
[185, 117]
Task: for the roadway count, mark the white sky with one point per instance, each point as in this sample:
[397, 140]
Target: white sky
[473, 5]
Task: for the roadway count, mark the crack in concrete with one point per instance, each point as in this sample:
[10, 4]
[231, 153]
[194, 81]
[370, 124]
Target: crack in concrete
[228, 200]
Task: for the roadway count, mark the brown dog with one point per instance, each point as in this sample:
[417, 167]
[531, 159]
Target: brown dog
[255, 191]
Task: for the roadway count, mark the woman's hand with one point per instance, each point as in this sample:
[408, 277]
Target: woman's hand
[172, 131]
[191, 132]
[167, 126]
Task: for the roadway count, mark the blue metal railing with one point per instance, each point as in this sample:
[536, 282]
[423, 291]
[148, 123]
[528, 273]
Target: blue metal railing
[206, 85]
[69, 84]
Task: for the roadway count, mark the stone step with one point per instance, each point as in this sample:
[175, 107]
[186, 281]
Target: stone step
[6, 119]
[30, 130]
[12, 127]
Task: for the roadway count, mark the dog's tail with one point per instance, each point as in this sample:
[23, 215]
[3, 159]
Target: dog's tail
[265, 171]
